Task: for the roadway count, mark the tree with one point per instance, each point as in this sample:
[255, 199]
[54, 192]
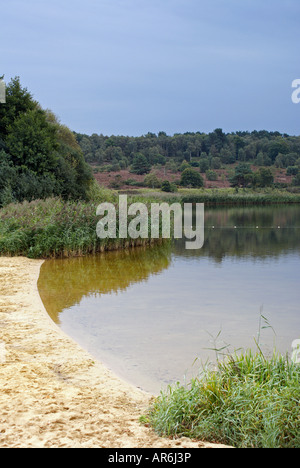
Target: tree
[184, 165]
[39, 157]
[192, 178]
[243, 175]
[140, 165]
[263, 178]
[152, 181]
[204, 165]
[296, 180]
[32, 142]
[18, 101]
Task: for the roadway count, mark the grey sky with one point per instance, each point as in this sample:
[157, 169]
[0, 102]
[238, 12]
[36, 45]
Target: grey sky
[133, 66]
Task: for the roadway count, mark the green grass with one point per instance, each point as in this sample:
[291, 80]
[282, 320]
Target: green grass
[247, 401]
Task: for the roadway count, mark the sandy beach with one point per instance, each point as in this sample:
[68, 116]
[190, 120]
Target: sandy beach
[52, 392]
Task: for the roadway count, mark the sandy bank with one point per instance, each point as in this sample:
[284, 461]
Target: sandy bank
[52, 393]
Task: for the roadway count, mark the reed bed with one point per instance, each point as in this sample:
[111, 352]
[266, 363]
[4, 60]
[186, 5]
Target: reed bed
[240, 197]
[55, 228]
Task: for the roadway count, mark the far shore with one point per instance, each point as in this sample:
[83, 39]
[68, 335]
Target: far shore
[52, 392]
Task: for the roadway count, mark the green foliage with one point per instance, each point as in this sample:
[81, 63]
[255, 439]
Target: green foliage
[263, 178]
[168, 186]
[242, 176]
[39, 157]
[32, 142]
[152, 181]
[211, 175]
[246, 402]
[184, 165]
[140, 165]
[292, 170]
[296, 180]
[18, 102]
[204, 165]
[227, 148]
[57, 228]
[191, 178]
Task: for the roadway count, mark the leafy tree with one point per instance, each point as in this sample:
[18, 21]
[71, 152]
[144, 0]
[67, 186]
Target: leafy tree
[204, 165]
[184, 165]
[18, 101]
[242, 176]
[192, 178]
[263, 178]
[32, 142]
[211, 175]
[296, 180]
[292, 170]
[151, 180]
[216, 163]
[39, 157]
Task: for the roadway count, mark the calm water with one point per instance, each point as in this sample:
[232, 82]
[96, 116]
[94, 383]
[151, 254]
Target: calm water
[149, 313]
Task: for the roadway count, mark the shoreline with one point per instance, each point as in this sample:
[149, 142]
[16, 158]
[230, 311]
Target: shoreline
[53, 394]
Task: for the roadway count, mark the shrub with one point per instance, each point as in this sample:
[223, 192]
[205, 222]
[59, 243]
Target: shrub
[168, 186]
[211, 175]
[192, 178]
[292, 170]
[152, 181]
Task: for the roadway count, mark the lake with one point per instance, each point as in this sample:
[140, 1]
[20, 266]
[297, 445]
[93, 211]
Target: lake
[153, 315]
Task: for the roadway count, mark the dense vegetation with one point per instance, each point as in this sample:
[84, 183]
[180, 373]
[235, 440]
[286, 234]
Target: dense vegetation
[247, 401]
[205, 153]
[56, 228]
[39, 157]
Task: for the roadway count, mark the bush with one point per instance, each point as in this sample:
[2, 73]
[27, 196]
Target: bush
[216, 163]
[191, 178]
[292, 170]
[168, 186]
[296, 180]
[184, 165]
[152, 181]
[211, 175]
[263, 178]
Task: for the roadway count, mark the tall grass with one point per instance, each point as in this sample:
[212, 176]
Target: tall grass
[55, 228]
[247, 401]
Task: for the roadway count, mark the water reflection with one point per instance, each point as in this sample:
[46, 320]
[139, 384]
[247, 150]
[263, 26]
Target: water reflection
[257, 232]
[63, 283]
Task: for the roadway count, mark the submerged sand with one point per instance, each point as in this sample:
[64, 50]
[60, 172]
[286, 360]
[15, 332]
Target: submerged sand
[52, 392]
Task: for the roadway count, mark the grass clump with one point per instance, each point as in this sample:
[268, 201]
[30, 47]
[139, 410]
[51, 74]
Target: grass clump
[247, 401]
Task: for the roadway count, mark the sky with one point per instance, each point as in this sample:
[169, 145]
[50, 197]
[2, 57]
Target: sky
[129, 67]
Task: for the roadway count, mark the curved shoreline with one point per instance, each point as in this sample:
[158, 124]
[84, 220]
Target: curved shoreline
[52, 392]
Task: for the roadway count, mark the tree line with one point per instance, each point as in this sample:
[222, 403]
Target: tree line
[262, 147]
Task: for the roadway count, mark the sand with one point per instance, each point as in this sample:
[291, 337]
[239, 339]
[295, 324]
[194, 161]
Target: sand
[52, 392]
